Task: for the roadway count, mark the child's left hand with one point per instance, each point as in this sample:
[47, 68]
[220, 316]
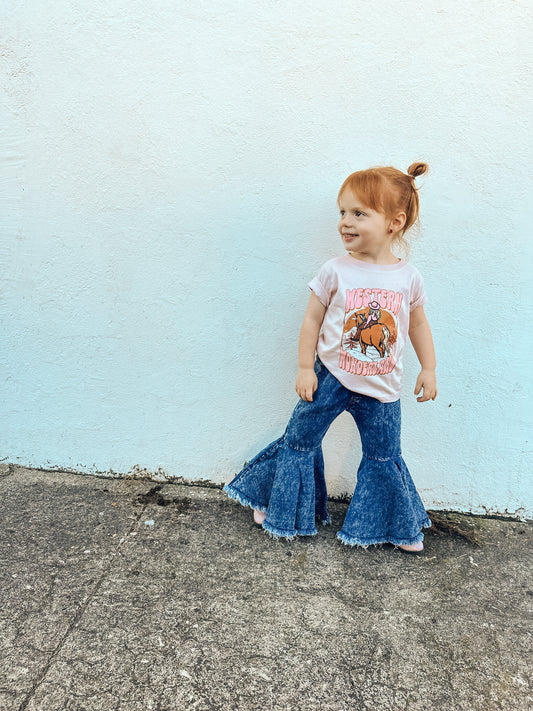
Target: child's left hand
[427, 380]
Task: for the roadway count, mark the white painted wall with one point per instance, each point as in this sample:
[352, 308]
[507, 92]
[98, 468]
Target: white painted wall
[169, 175]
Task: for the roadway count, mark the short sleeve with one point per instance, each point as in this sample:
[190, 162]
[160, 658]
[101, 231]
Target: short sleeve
[418, 294]
[324, 284]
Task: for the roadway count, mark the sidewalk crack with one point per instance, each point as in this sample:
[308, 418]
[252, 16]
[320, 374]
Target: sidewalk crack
[77, 617]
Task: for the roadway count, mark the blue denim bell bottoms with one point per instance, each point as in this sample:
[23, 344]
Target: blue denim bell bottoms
[286, 479]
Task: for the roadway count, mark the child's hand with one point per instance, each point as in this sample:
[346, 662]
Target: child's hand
[306, 383]
[427, 380]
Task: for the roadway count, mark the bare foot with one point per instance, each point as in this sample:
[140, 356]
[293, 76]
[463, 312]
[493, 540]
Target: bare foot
[414, 548]
[259, 516]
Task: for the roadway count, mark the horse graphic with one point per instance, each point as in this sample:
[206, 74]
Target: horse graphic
[377, 335]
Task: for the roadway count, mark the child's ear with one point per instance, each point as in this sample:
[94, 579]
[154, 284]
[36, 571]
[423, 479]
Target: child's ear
[399, 221]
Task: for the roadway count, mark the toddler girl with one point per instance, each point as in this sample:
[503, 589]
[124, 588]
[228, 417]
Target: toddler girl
[361, 310]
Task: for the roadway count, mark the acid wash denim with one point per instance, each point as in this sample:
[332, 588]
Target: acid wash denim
[286, 479]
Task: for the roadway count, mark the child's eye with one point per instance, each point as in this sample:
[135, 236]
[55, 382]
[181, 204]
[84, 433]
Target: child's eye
[358, 213]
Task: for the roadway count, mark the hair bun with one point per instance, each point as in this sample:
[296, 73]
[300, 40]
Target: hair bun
[416, 169]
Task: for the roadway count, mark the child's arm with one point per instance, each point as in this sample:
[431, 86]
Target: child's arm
[420, 335]
[306, 381]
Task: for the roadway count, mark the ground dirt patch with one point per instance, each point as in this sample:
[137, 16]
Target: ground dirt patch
[153, 496]
[454, 524]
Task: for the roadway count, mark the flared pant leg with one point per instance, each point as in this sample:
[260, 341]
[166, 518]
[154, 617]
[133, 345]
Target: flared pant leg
[286, 479]
[385, 507]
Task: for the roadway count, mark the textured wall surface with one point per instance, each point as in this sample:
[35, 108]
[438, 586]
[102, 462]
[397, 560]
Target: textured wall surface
[169, 177]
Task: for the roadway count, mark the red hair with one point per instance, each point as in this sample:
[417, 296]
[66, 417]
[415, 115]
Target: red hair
[388, 190]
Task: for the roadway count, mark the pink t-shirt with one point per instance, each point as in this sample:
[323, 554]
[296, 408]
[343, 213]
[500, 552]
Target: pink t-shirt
[366, 323]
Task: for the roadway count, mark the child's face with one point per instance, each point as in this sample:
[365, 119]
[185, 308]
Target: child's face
[365, 232]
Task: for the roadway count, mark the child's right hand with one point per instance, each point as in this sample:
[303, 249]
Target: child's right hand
[306, 383]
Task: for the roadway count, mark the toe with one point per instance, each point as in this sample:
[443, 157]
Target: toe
[259, 516]
[414, 548]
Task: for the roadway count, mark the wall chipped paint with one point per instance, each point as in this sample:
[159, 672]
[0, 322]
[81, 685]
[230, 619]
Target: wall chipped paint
[169, 181]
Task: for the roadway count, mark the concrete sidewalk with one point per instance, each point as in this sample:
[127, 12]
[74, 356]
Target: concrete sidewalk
[103, 610]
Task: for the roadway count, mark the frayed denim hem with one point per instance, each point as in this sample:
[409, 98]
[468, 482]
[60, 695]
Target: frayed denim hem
[237, 496]
[289, 534]
[366, 542]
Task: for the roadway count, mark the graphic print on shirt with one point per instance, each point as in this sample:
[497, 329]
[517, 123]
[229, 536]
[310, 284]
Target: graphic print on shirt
[370, 331]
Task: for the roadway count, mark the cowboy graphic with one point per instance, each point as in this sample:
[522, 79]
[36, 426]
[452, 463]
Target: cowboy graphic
[374, 314]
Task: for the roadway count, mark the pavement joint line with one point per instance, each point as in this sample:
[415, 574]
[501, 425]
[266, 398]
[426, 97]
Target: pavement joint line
[77, 617]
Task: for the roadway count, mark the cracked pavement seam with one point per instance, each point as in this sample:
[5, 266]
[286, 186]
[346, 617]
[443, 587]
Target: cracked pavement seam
[77, 617]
